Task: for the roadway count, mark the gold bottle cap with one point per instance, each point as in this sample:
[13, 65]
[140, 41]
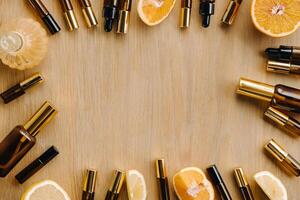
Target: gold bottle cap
[160, 168]
[278, 67]
[40, 119]
[276, 151]
[185, 17]
[89, 181]
[255, 89]
[33, 80]
[231, 11]
[123, 21]
[89, 16]
[71, 20]
[118, 181]
[277, 116]
[240, 177]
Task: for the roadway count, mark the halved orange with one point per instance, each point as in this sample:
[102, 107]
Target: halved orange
[153, 12]
[191, 184]
[276, 18]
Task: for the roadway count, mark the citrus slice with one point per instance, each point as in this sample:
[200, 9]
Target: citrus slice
[271, 185]
[191, 184]
[136, 186]
[46, 190]
[276, 18]
[153, 12]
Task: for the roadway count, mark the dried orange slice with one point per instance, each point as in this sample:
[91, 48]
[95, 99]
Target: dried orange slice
[191, 184]
[276, 18]
[153, 12]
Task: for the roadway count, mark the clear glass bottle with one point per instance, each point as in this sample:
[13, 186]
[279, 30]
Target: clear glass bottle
[23, 43]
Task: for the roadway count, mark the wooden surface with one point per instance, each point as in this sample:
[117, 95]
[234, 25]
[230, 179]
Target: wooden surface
[159, 91]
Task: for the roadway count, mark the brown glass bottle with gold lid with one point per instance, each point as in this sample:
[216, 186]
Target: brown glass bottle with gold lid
[279, 96]
[22, 138]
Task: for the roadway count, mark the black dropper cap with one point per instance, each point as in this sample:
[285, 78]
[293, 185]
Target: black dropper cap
[281, 53]
[36, 165]
[108, 25]
[109, 14]
[207, 8]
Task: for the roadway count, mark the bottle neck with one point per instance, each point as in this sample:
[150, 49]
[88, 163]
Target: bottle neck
[40, 119]
[11, 42]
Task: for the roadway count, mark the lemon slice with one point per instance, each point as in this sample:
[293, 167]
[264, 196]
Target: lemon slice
[136, 186]
[153, 12]
[45, 190]
[276, 18]
[271, 185]
[191, 184]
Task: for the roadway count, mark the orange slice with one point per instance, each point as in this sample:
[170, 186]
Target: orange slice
[276, 18]
[271, 185]
[46, 190]
[153, 12]
[136, 186]
[191, 184]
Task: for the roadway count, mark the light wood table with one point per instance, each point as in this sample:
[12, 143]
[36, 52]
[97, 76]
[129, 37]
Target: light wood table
[156, 92]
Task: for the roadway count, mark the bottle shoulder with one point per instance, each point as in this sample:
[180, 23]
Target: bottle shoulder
[19, 129]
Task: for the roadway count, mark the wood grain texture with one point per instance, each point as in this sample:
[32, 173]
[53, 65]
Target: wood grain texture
[159, 91]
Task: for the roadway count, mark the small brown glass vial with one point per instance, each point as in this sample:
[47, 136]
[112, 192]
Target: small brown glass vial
[279, 96]
[285, 160]
[69, 14]
[116, 186]
[44, 14]
[22, 138]
[89, 185]
[20, 88]
[185, 13]
[88, 13]
[231, 11]
[123, 16]
[36, 165]
[283, 67]
[283, 121]
[243, 184]
[162, 179]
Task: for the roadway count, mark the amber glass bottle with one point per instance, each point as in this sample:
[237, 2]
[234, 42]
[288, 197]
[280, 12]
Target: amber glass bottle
[283, 121]
[89, 185]
[88, 13]
[279, 96]
[22, 138]
[113, 192]
[287, 98]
